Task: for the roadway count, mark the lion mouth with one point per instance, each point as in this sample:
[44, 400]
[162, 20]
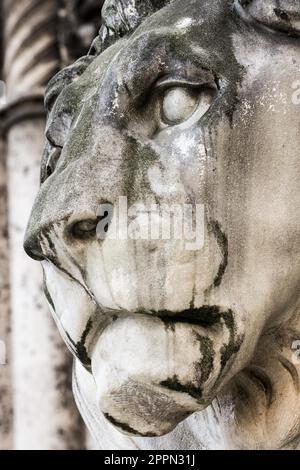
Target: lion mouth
[204, 316]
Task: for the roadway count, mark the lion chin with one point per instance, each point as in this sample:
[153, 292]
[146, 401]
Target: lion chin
[199, 390]
[152, 372]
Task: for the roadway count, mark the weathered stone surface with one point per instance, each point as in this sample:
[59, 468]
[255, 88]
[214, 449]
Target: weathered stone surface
[185, 102]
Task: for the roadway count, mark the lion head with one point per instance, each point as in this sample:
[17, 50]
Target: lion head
[182, 104]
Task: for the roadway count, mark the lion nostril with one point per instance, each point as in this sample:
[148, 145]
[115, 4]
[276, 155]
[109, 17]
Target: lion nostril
[84, 229]
[33, 250]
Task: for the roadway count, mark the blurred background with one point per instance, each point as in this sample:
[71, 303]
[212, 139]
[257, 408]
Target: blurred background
[37, 38]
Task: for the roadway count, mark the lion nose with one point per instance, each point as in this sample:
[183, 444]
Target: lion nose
[79, 229]
[32, 248]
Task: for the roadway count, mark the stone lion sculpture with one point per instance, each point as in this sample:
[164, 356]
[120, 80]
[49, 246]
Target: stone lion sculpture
[179, 102]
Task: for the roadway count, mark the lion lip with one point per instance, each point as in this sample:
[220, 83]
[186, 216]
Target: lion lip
[205, 316]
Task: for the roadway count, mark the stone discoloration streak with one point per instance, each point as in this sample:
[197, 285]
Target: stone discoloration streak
[223, 245]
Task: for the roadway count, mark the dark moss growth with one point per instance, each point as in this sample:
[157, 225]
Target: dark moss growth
[175, 385]
[234, 343]
[281, 14]
[125, 427]
[229, 322]
[222, 241]
[203, 316]
[47, 236]
[206, 365]
[227, 352]
[80, 347]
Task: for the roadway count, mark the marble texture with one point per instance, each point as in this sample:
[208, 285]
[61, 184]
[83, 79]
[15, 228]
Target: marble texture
[177, 103]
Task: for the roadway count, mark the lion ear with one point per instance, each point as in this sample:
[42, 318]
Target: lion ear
[119, 18]
[122, 17]
[278, 15]
[64, 78]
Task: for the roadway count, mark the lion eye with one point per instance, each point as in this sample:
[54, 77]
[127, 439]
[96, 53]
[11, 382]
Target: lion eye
[180, 103]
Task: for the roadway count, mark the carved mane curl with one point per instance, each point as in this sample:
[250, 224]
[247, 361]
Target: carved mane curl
[119, 18]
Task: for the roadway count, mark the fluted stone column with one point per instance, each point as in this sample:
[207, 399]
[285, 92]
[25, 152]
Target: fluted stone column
[6, 417]
[45, 416]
